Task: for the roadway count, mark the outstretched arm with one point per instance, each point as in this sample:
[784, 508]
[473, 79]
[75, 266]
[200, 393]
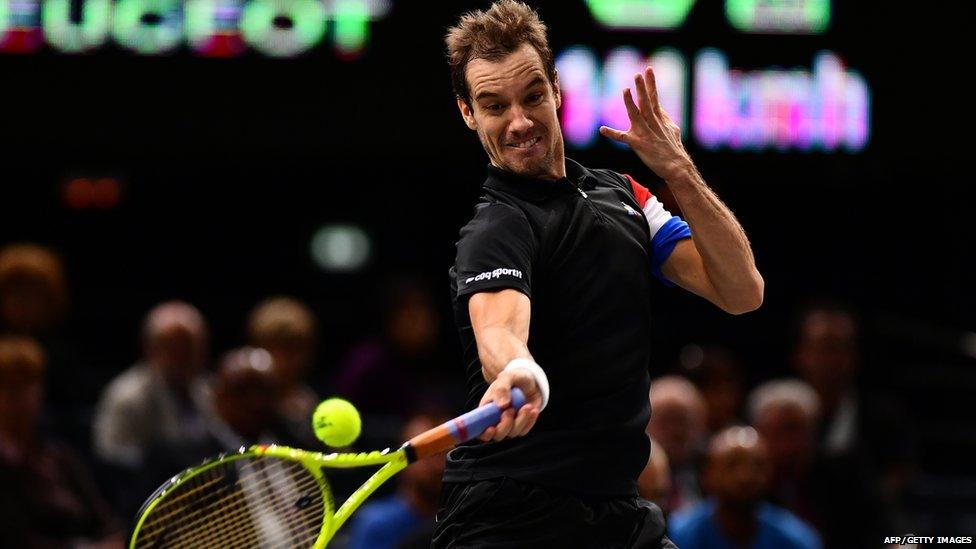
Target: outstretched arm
[500, 320]
[717, 262]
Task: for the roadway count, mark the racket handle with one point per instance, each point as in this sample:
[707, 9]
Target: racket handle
[473, 423]
[461, 429]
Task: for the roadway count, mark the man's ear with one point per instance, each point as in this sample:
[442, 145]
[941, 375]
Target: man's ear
[556, 92]
[466, 113]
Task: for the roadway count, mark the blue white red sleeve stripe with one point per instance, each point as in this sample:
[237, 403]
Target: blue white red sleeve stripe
[654, 211]
[666, 230]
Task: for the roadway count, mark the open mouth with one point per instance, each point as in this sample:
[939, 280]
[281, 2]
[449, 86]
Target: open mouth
[528, 143]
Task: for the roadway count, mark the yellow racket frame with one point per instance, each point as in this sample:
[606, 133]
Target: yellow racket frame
[392, 462]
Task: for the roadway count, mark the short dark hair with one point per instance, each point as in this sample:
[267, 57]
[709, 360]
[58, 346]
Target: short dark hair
[493, 34]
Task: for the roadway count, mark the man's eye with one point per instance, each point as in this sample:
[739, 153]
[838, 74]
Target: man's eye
[535, 98]
[494, 107]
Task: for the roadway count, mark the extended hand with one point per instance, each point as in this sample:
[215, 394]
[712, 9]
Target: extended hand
[500, 391]
[652, 135]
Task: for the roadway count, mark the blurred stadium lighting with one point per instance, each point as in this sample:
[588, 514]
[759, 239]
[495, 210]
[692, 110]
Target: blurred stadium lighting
[640, 14]
[352, 24]
[779, 16]
[826, 109]
[591, 96]
[340, 248]
[213, 28]
[283, 28]
[20, 30]
[580, 88]
[83, 193]
[76, 32]
[149, 27]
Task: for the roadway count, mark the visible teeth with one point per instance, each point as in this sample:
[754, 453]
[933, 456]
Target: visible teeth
[527, 144]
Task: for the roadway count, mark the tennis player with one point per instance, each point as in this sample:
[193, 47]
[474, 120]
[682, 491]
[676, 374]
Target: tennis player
[552, 286]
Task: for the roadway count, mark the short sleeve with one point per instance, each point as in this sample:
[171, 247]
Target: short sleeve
[495, 251]
[666, 230]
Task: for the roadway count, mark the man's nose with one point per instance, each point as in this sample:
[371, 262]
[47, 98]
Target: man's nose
[521, 123]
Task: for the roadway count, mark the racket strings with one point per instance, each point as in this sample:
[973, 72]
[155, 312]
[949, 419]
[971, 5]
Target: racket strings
[302, 529]
[244, 517]
[177, 504]
[191, 495]
[248, 502]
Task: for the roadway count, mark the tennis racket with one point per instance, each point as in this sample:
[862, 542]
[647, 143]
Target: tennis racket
[274, 496]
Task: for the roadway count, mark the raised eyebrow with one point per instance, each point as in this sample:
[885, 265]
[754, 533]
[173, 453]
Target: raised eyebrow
[535, 82]
[485, 95]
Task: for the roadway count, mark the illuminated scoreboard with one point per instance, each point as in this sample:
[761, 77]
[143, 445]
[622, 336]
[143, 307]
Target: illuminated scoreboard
[821, 106]
[720, 99]
[211, 28]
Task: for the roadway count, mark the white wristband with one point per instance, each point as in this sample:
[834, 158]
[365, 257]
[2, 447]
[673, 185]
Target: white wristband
[540, 376]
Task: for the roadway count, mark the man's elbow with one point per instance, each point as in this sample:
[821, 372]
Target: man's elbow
[749, 299]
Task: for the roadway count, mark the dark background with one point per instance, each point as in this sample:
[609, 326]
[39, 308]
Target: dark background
[229, 165]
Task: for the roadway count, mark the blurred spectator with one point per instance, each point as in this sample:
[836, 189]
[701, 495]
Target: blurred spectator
[47, 496]
[827, 355]
[374, 373]
[158, 400]
[244, 401]
[406, 517]
[238, 410]
[33, 289]
[287, 329]
[718, 376]
[786, 413]
[34, 302]
[678, 424]
[836, 496]
[735, 476]
[154, 409]
[654, 482]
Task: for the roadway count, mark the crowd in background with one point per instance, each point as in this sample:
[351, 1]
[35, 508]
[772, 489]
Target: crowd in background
[807, 460]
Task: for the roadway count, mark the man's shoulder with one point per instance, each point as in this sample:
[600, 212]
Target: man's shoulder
[606, 174]
[131, 386]
[491, 212]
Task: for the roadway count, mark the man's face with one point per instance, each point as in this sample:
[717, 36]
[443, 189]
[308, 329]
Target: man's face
[513, 109]
[246, 401]
[789, 436]
[178, 354]
[737, 476]
[677, 427]
[827, 353]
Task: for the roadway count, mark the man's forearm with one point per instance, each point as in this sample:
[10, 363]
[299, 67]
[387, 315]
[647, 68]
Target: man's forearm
[726, 254]
[497, 346]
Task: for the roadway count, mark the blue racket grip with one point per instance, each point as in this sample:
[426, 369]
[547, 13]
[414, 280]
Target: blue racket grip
[473, 423]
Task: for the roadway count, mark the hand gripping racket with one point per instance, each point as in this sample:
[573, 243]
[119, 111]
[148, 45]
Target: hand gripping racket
[273, 496]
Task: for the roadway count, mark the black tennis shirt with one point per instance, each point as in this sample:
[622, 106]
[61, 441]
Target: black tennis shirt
[579, 248]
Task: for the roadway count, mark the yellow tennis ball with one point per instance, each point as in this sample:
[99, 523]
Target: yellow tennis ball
[336, 422]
